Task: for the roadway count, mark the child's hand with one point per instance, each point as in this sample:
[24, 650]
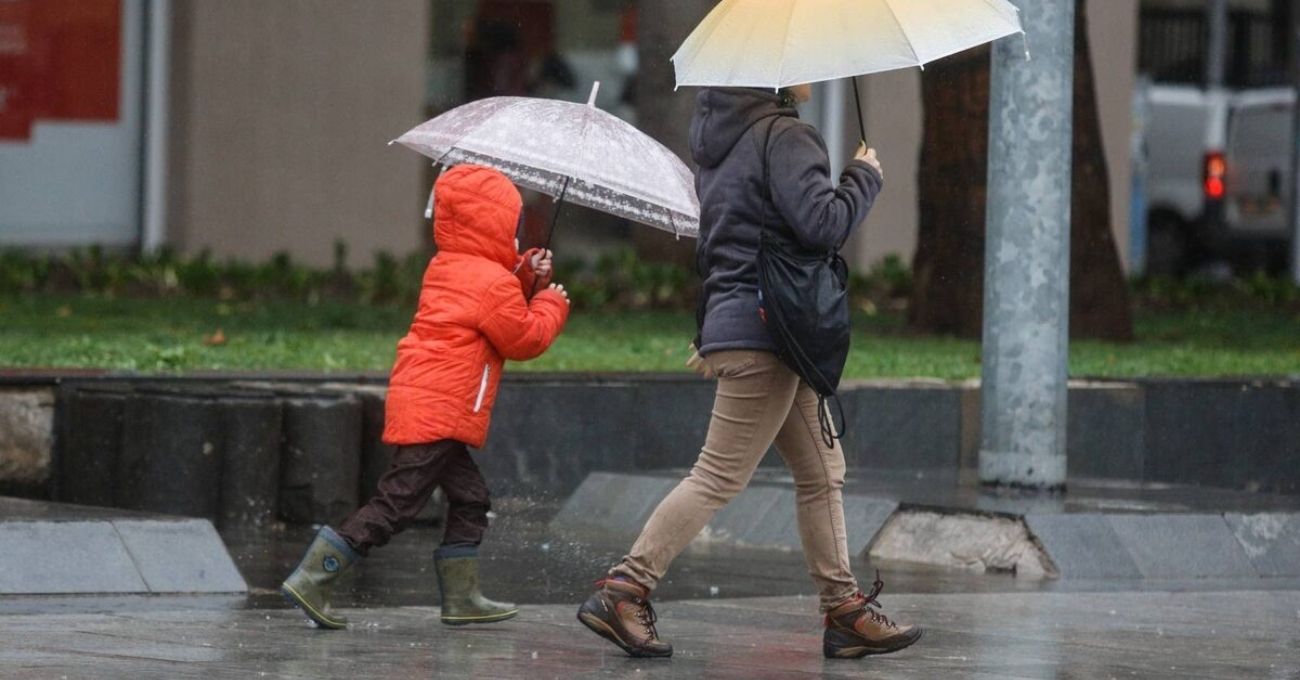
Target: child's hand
[542, 263]
[559, 288]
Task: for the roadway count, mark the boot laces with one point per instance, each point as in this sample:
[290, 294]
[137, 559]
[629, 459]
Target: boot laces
[647, 617]
[870, 606]
[645, 612]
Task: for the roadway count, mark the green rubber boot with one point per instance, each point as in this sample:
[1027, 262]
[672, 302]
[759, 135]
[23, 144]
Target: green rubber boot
[311, 585]
[462, 603]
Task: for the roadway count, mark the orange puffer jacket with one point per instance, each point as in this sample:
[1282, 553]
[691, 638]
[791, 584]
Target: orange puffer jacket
[473, 315]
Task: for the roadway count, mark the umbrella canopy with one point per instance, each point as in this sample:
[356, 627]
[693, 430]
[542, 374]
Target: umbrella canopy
[775, 43]
[571, 151]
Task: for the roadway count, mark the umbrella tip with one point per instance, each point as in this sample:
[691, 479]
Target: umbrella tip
[595, 87]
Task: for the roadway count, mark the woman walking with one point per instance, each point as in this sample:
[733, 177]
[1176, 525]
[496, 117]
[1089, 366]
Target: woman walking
[760, 167]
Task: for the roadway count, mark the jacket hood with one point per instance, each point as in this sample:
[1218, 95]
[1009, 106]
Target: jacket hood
[476, 212]
[724, 114]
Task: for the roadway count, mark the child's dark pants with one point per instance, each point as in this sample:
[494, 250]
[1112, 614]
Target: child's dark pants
[406, 487]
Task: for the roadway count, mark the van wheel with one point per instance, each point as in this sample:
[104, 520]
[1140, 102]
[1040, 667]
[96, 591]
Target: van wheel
[1168, 251]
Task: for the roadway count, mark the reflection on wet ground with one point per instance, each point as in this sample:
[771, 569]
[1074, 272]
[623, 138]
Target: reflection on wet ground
[988, 635]
[978, 626]
[526, 560]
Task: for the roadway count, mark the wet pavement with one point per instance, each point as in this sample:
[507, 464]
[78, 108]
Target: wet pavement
[528, 560]
[1009, 635]
[978, 626]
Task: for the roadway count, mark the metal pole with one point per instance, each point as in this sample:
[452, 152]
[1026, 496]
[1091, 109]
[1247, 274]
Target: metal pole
[1295, 156]
[1216, 52]
[153, 234]
[1027, 252]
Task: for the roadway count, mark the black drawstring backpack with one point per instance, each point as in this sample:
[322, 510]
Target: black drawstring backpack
[804, 302]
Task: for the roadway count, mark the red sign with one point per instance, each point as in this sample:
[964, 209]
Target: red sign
[59, 60]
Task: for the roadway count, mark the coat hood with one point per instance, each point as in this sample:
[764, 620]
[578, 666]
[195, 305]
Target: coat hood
[476, 212]
[724, 114]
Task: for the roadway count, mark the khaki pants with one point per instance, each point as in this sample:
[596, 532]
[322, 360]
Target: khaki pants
[759, 402]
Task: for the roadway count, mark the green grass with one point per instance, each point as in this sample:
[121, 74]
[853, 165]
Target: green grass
[167, 335]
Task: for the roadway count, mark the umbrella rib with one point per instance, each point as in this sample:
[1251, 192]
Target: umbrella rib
[582, 141]
[704, 40]
[903, 29]
[1015, 11]
[785, 44]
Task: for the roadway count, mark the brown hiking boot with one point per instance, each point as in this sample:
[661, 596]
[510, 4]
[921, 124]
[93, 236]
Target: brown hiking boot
[621, 613]
[857, 628]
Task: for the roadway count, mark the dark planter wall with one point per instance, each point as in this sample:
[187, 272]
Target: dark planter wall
[309, 452]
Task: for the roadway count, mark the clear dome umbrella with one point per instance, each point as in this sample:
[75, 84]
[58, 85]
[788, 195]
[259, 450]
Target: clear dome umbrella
[570, 151]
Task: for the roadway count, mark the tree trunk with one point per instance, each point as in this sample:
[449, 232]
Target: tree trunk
[1099, 302]
[948, 291]
[662, 112]
[952, 183]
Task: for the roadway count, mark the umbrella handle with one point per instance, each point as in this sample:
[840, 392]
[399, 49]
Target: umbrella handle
[550, 234]
[857, 99]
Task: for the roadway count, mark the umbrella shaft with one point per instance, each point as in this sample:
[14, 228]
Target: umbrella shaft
[857, 100]
[550, 234]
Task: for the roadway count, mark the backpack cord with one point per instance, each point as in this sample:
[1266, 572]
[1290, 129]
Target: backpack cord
[825, 420]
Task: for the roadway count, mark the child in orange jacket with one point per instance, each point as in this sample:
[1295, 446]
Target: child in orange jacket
[476, 310]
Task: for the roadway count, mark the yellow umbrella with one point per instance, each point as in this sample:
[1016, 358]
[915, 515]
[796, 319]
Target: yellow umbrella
[775, 43]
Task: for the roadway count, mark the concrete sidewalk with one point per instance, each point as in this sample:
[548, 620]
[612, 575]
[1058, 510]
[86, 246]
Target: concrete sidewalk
[1008, 635]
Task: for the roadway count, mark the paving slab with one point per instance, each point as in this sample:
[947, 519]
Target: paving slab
[614, 502]
[1271, 541]
[1182, 546]
[1083, 546]
[752, 518]
[65, 557]
[180, 557]
[864, 516]
[59, 548]
[763, 515]
[1100, 529]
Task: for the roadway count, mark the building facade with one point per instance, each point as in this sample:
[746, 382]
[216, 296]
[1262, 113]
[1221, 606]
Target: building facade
[246, 127]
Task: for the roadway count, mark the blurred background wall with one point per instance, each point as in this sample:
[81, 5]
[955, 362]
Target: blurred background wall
[247, 127]
[280, 116]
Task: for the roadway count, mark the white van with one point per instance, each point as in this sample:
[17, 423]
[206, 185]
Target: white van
[1218, 177]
